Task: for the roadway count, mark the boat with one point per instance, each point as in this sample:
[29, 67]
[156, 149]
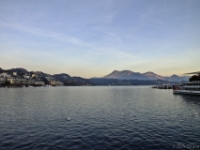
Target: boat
[190, 88]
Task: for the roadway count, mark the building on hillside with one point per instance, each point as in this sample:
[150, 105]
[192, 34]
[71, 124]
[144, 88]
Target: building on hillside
[26, 76]
[39, 83]
[55, 83]
[5, 75]
[33, 75]
[15, 73]
[49, 78]
[35, 82]
[2, 81]
[17, 81]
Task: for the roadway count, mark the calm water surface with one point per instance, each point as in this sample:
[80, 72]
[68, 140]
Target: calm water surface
[123, 117]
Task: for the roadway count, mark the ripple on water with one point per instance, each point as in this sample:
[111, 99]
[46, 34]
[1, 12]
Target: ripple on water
[101, 118]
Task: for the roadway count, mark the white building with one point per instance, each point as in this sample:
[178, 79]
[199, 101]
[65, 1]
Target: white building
[15, 73]
[5, 75]
[26, 76]
[17, 81]
[39, 83]
[56, 83]
[35, 82]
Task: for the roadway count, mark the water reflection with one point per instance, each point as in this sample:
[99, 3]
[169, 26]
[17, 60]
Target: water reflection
[191, 99]
[100, 118]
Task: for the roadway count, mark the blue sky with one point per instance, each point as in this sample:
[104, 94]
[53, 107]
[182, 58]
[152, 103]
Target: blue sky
[91, 38]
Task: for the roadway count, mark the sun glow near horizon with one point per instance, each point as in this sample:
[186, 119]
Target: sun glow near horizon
[93, 38]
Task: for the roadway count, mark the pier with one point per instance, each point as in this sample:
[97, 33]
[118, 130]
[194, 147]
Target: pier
[162, 86]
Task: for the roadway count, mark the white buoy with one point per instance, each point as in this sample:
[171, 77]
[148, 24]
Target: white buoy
[68, 119]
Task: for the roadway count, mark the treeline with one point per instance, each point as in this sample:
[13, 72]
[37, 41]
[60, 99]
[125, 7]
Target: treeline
[20, 71]
[1, 70]
[195, 78]
[103, 81]
[76, 81]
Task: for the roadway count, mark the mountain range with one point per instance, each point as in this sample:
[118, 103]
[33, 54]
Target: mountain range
[127, 75]
[124, 77]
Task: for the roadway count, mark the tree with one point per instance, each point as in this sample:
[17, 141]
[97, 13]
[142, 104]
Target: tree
[1, 70]
[195, 78]
[7, 82]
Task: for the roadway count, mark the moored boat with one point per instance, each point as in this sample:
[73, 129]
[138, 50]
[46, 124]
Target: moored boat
[191, 88]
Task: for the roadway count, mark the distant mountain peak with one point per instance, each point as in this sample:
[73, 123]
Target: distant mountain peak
[127, 74]
[149, 72]
[124, 74]
[152, 76]
[174, 75]
[115, 71]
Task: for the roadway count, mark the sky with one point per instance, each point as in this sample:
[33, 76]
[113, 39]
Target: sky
[91, 38]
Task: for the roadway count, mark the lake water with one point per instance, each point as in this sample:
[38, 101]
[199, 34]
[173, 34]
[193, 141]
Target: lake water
[101, 117]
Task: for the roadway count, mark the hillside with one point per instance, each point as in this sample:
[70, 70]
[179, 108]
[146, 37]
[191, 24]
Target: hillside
[127, 75]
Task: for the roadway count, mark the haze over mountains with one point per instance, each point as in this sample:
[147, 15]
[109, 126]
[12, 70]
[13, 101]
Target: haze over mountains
[127, 75]
[124, 77]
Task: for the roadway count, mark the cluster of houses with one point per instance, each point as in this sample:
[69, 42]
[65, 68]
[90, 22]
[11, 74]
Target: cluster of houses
[28, 79]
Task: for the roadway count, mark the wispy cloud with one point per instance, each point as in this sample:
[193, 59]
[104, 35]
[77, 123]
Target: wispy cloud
[101, 35]
[44, 33]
